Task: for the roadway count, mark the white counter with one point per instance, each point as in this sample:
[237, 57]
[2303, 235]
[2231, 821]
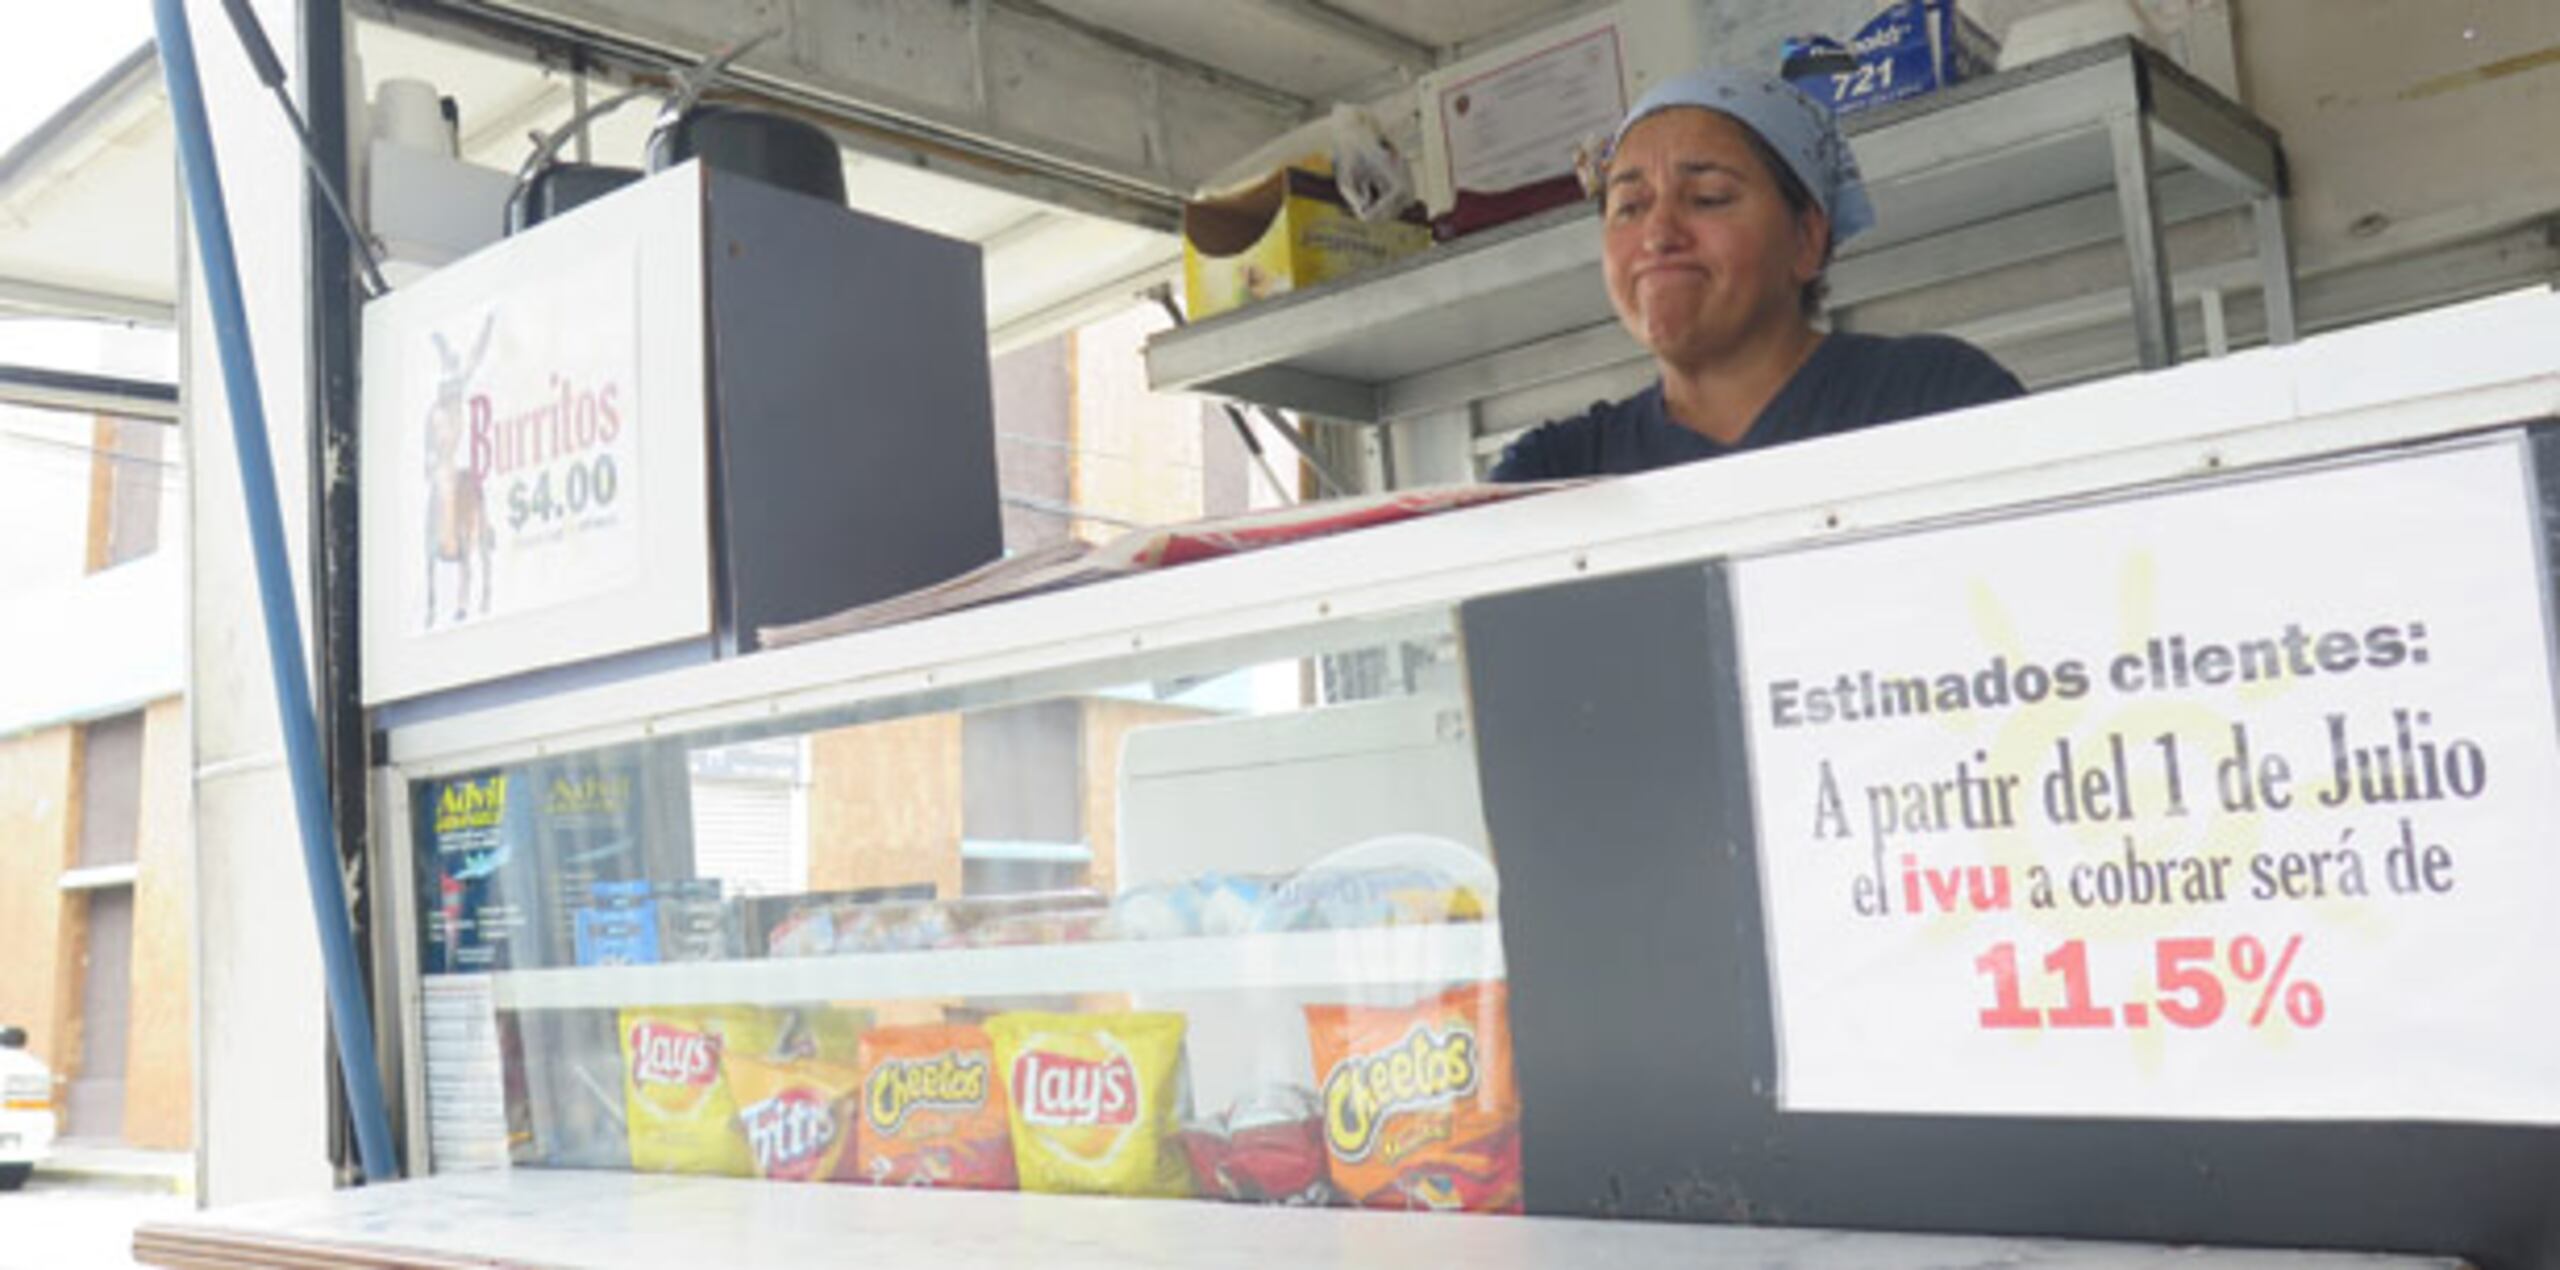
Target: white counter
[630, 1222]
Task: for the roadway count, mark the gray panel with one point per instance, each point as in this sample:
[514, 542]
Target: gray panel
[111, 791]
[1022, 772]
[1616, 793]
[138, 481]
[96, 1103]
[853, 446]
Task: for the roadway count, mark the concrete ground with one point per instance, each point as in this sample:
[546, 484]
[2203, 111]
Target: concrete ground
[59, 1223]
[80, 1209]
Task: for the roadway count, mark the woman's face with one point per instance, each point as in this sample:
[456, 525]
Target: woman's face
[1700, 250]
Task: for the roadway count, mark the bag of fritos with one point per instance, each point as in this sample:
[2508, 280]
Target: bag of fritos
[1420, 1111]
[796, 1114]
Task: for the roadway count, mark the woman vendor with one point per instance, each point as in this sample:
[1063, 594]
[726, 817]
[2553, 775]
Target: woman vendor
[1724, 195]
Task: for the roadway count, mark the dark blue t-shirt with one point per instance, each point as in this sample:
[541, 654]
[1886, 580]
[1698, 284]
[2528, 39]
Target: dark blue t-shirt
[1852, 381]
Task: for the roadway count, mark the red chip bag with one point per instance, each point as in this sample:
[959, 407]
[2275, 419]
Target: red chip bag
[1419, 1107]
[933, 1109]
[1267, 1149]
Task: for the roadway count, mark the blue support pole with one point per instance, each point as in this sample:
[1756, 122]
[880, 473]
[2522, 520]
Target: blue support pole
[349, 1018]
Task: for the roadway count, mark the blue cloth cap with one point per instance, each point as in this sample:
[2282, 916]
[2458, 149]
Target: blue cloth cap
[1796, 128]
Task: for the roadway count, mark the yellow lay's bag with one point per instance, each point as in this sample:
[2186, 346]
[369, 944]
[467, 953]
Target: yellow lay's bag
[682, 1116]
[1094, 1101]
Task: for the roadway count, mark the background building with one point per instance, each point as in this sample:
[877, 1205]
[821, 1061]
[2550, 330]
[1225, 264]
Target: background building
[96, 957]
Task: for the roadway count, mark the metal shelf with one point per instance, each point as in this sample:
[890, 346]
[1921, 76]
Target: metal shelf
[2109, 142]
[1323, 958]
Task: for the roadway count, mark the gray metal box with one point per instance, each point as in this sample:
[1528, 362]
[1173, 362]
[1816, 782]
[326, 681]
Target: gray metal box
[852, 435]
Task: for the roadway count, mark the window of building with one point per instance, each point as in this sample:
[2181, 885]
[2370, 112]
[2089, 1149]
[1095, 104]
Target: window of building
[110, 844]
[111, 791]
[1086, 450]
[132, 477]
[1022, 799]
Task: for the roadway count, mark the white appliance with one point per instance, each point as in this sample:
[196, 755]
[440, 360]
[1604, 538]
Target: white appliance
[1374, 782]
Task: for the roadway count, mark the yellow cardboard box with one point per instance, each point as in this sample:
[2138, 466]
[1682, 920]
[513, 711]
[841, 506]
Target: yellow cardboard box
[1288, 230]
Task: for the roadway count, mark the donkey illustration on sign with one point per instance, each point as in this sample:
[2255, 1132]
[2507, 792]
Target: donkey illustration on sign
[457, 506]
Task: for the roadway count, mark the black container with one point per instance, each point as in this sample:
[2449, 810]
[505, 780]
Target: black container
[777, 150]
[558, 187]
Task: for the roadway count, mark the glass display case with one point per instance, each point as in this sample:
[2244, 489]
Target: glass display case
[1220, 922]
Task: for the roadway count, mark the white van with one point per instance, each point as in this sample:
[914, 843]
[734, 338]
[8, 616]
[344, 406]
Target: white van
[26, 1109]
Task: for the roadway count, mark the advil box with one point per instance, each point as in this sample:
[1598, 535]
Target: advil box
[1286, 231]
[1912, 47]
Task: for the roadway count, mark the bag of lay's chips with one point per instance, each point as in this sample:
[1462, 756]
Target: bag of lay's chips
[1094, 1101]
[796, 1114]
[682, 1117]
[933, 1109]
[1419, 1107]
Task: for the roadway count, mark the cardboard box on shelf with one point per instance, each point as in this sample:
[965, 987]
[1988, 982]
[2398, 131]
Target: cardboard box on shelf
[1286, 231]
[1910, 48]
